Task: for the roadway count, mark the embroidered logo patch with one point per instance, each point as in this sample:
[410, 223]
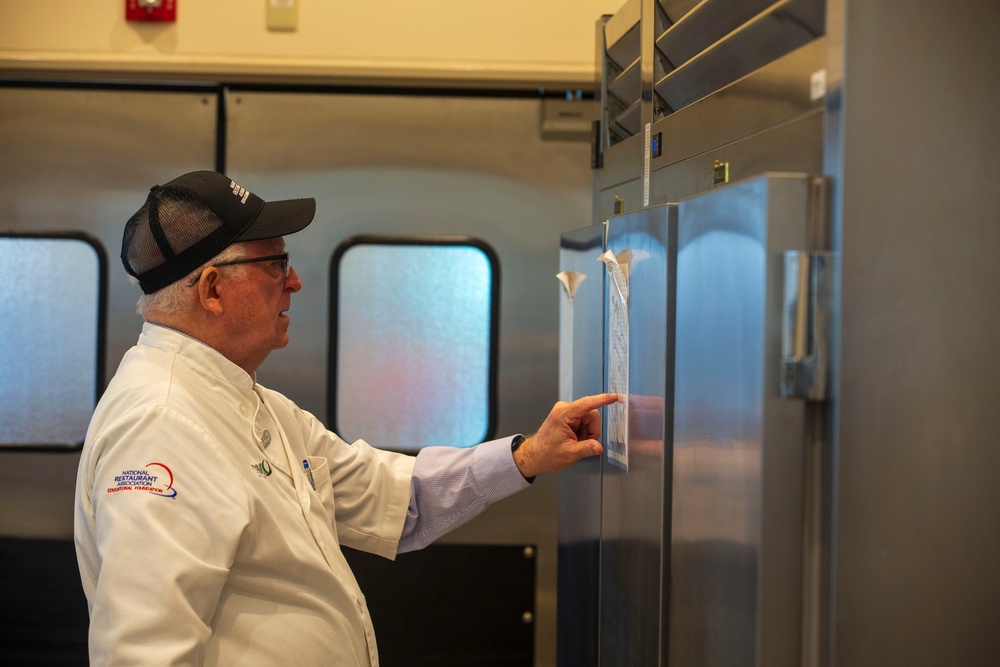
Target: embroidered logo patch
[263, 469]
[155, 478]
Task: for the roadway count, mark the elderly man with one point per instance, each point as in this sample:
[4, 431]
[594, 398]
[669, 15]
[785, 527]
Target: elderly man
[211, 510]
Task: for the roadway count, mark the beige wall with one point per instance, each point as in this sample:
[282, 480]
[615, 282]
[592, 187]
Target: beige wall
[514, 42]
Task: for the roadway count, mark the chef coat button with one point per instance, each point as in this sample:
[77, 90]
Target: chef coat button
[361, 607]
[244, 410]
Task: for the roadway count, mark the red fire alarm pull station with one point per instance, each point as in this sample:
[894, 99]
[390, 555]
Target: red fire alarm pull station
[151, 10]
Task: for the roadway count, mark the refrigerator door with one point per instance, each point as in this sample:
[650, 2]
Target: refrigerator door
[635, 533]
[581, 373]
[736, 552]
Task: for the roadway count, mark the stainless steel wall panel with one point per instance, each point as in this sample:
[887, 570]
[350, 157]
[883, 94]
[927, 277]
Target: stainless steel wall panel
[635, 501]
[82, 159]
[917, 522]
[735, 583]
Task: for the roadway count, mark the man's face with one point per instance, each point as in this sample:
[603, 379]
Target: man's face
[255, 307]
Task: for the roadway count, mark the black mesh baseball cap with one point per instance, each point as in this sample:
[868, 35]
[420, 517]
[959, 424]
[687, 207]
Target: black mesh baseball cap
[191, 219]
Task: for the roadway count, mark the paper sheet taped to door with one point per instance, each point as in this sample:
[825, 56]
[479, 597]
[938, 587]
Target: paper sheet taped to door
[616, 440]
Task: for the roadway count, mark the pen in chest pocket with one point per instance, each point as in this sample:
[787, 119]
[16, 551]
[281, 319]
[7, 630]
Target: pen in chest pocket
[309, 473]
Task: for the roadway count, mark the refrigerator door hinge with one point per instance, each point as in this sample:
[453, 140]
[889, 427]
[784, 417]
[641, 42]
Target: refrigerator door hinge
[806, 325]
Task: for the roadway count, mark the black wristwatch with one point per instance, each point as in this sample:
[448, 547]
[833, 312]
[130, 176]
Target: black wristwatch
[515, 443]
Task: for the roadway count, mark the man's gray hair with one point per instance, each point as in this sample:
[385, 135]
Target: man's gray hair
[176, 296]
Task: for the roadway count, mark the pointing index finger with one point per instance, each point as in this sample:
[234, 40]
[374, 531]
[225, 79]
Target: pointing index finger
[582, 406]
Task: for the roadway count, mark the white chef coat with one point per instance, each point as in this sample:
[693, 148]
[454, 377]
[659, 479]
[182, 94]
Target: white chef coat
[199, 535]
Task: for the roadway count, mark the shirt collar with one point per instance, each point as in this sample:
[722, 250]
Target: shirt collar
[196, 352]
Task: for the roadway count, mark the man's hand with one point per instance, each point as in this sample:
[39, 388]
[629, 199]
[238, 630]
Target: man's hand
[568, 434]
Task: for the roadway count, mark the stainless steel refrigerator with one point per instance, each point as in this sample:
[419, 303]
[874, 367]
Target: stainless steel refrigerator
[713, 314]
[863, 528]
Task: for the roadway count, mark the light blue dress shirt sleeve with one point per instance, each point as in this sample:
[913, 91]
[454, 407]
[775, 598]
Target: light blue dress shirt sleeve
[451, 485]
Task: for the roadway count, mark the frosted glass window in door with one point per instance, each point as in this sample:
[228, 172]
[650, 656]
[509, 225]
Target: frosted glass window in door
[51, 317]
[413, 341]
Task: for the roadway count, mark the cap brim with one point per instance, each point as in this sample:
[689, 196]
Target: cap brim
[280, 218]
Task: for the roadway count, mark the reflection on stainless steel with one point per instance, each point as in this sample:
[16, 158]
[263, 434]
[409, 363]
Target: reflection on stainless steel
[634, 504]
[737, 464]
[782, 28]
[764, 99]
[620, 43]
[581, 339]
[805, 331]
[709, 22]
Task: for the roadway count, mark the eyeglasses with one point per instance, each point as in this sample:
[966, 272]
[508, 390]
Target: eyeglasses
[283, 258]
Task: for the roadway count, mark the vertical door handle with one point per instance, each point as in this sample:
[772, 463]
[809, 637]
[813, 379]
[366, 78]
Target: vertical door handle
[806, 326]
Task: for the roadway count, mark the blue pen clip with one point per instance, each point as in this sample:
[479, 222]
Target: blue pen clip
[309, 472]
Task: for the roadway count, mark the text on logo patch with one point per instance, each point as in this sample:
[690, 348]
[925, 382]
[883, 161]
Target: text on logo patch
[155, 478]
